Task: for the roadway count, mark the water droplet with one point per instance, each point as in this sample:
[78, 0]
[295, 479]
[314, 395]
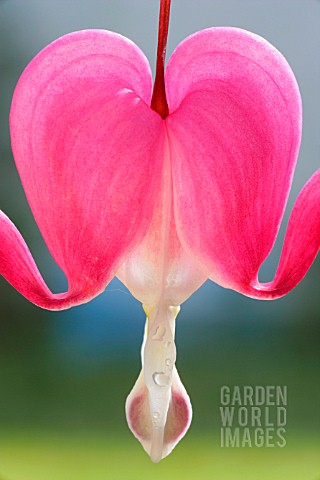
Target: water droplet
[161, 379]
[168, 362]
[156, 415]
[159, 333]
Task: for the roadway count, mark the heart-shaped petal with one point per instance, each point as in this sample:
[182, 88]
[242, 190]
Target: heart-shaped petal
[89, 151]
[234, 134]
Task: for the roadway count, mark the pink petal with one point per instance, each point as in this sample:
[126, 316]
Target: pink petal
[19, 269]
[89, 153]
[234, 131]
[301, 244]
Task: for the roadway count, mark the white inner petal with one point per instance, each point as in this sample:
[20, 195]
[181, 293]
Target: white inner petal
[159, 359]
[159, 271]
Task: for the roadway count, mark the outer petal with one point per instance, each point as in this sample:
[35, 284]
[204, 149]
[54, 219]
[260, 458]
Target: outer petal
[89, 153]
[234, 133]
[18, 267]
[301, 244]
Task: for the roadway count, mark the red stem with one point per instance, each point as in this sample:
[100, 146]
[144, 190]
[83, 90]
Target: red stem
[159, 99]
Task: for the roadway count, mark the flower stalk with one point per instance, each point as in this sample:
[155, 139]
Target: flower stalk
[159, 100]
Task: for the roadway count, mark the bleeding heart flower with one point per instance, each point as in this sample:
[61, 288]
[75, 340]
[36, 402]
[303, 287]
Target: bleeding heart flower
[164, 197]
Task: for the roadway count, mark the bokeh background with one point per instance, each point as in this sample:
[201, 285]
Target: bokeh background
[64, 377]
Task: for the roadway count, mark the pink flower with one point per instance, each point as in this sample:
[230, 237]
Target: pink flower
[162, 201]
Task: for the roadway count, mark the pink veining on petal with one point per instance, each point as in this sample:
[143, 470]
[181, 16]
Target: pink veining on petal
[234, 131]
[89, 151]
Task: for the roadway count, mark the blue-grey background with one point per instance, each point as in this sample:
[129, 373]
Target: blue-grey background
[71, 371]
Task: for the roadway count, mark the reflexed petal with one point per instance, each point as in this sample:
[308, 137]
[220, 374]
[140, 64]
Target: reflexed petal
[18, 268]
[89, 152]
[301, 244]
[234, 134]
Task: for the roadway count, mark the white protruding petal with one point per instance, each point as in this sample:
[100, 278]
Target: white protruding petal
[158, 408]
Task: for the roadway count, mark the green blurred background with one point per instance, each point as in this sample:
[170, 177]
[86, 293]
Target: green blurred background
[64, 377]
